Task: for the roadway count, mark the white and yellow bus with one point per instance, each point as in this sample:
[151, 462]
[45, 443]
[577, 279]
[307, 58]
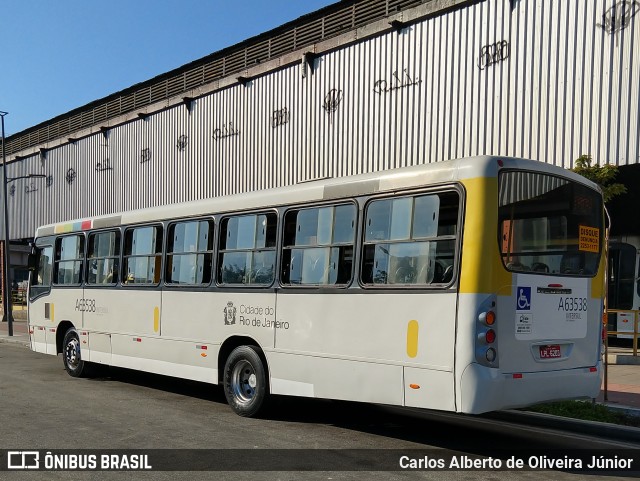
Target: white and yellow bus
[468, 285]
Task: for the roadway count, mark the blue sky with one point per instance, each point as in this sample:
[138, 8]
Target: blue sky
[58, 55]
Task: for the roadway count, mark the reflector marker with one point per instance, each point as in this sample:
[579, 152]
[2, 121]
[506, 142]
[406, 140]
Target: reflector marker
[52, 329]
[204, 348]
[517, 375]
[593, 369]
[414, 386]
[137, 339]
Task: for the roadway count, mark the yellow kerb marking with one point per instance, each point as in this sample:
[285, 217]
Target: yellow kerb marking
[412, 338]
[156, 319]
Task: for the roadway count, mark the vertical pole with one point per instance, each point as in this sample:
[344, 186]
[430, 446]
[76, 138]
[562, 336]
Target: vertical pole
[6, 295]
[635, 333]
[605, 310]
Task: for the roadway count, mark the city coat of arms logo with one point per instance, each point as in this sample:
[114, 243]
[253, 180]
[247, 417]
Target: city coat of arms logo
[229, 314]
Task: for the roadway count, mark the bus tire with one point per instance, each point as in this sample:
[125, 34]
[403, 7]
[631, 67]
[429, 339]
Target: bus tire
[72, 355]
[245, 381]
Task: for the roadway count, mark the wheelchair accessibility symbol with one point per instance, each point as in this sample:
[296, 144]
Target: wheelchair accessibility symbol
[523, 298]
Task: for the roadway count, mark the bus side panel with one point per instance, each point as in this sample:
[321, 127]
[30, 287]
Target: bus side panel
[428, 388]
[64, 306]
[123, 311]
[215, 316]
[187, 360]
[100, 348]
[39, 339]
[41, 317]
[384, 331]
[321, 377]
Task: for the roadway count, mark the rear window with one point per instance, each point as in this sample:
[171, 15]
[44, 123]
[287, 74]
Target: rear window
[549, 225]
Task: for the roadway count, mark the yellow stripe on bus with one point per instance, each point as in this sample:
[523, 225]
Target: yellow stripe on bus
[412, 338]
[156, 319]
[482, 269]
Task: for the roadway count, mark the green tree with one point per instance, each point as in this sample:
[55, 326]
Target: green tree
[603, 175]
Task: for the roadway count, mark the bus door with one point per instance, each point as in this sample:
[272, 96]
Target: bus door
[621, 287]
[41, 313]
[134, 310]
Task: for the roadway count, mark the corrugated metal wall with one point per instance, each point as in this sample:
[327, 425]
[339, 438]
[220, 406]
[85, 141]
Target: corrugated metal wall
[538, 79]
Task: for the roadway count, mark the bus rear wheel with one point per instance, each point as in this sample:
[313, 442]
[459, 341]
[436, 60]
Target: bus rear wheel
[72, 355]
[245, 381]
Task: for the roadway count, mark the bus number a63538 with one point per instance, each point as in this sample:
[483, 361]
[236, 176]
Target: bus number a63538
[572, 304]
[86, 305]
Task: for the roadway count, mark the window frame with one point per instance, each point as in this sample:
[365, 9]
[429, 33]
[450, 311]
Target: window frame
[124, 257]
[456, 189]
[354, 278]
[219, 252]
[56, 261]
[213, 238]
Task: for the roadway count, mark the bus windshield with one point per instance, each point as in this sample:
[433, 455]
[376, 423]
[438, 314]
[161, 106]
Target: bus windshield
[548, 224]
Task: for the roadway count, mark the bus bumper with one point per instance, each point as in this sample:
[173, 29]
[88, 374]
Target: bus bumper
[485, 389]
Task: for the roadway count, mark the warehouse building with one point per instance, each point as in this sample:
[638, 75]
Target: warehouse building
[358, 86]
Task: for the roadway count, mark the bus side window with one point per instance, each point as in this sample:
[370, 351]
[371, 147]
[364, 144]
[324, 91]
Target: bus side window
[189, 253]
[247, 251]
[410, 240]
[103, 258]
[142, 255]
[44, 258]
[318, 246]
[69, 260]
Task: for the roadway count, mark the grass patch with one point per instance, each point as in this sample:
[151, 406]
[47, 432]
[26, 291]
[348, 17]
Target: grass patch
[586, 411]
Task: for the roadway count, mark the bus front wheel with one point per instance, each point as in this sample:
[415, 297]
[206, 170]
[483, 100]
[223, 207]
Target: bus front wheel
[72, 355]
[245, 381]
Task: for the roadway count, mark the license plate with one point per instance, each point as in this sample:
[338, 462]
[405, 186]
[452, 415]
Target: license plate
[550, 352]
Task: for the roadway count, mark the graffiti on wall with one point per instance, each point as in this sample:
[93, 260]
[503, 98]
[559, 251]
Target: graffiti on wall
[71, 175]
[493, 53]
[332, 100]
[397, 82]
[280, 117]
[182, 143]
[145, 155]
[31, 187]
[619, 17]
[227, 130]
[102, 166]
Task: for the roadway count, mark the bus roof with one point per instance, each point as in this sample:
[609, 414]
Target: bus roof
[318, 190]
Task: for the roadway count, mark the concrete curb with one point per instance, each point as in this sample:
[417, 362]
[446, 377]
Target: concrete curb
[592, 428]
[623, 359]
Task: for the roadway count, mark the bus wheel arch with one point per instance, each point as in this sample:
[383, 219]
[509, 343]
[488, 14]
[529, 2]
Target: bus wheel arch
[61, 331]
[245, 375]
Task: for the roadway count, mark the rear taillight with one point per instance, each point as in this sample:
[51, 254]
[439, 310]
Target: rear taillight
[486, 334]
[490, 336]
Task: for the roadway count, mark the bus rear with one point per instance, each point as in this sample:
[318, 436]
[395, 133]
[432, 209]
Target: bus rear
[537, 336]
